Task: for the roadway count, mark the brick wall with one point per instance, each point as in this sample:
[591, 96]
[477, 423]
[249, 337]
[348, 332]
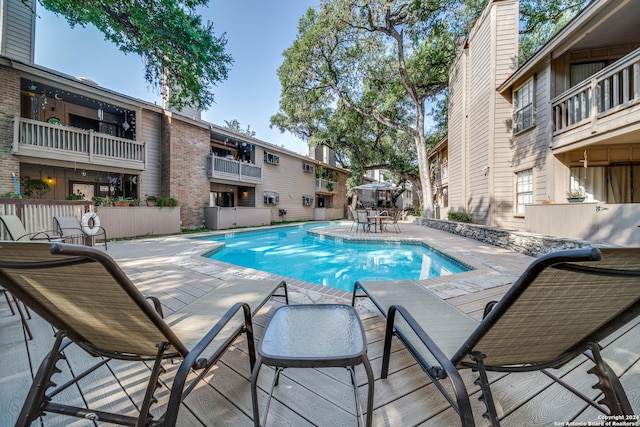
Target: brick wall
[9, 108]
[184, 152]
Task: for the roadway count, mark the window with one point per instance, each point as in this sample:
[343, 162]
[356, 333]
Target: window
[307, 200]
[581, 72]
[306, 167]
[270, 197]
[524, 190]
[523, 103]
[271, 158]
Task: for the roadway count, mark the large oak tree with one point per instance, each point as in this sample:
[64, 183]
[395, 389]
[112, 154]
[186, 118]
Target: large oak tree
[176, 46]
[382, 59]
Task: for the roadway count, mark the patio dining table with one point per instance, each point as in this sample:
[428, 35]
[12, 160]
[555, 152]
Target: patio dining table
[378, 221]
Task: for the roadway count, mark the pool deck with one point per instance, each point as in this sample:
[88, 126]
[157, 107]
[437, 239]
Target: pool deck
[173, 269]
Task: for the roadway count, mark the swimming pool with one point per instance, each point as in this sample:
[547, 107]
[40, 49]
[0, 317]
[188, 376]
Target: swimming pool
[336, 263]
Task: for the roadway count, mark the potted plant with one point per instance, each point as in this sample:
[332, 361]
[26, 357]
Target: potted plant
[102, 201]
[151, 200]
[576, 195]
[36, 188]
[548, 200]
[75, 196]
[167, 201]
[135, 202]
[121, 201]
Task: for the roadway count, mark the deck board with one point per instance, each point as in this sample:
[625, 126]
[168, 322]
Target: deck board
[325, 396]
[308, 397]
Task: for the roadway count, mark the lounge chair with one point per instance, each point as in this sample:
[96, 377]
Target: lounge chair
[73, 231]
[24, 315]
[16, 231]
[83, 294]
[560, 307]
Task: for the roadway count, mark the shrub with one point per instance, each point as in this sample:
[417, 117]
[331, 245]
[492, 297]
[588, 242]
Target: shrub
[75, 196]
[460, 216]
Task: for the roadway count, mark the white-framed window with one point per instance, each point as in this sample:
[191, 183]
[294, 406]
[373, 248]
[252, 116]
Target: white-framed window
[307, 200]
[271, 158]
[524, 190]
[270, 197]
[523, 106]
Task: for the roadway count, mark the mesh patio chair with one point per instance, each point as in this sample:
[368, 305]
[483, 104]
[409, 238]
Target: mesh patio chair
[393, 221]
[363, 220]
[15, 230]
[90, 301]
[71, 229]
[558, 309]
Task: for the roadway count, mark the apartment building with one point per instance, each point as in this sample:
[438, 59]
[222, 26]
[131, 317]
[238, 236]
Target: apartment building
[521, 138]
[81, 138]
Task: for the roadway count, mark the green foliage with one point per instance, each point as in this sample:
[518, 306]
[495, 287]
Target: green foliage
[169, 35]
[541, 20]
[102, 201]
[166, 201]
[75, 196]
[36, 188]
[12, 195]
[234, 125]
[358, 76]
[460, 216]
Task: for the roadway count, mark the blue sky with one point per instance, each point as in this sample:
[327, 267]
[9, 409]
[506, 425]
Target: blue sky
[257, 33]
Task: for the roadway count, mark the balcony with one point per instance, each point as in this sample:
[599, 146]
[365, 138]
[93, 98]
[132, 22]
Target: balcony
[233, 170]
[605, 106]
[441, 175]
[32, 138]
[325, 185]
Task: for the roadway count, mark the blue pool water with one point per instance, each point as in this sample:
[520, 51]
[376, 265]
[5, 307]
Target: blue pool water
[292, 252]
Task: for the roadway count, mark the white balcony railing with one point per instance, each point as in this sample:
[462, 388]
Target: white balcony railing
[326, 185]
[45, 140]
[233, 170]
[609, 91]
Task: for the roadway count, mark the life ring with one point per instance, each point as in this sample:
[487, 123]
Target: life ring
[91, 223]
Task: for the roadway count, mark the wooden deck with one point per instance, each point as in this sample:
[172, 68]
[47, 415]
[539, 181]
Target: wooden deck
[320, 397]
[173, 270]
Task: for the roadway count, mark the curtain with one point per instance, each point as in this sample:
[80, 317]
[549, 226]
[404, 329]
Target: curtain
[619, 184]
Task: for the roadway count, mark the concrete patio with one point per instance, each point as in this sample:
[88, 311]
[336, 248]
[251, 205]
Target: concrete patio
[173, 269]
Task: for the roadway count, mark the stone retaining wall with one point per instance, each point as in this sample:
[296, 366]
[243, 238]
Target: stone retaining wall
[518, 241]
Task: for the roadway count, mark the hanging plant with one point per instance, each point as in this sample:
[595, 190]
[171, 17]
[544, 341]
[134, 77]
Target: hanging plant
[36, 188]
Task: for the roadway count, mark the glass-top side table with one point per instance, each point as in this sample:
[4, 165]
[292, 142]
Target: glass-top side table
[313, 336]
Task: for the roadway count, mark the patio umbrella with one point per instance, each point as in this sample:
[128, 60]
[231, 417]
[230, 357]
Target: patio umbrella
[376, 186]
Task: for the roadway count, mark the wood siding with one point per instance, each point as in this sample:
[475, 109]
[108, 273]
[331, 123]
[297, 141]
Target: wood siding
[290, 182]
[505, 28]
[480, 161]
[149, 131]
[480, 122]
[457, 134]
[18, 30]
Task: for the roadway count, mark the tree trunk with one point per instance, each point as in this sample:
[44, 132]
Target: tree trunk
[425, 177]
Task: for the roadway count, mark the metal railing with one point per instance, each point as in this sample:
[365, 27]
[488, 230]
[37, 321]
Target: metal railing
[612, 89]
[326, 185]
[234, 170]
[40, 139]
